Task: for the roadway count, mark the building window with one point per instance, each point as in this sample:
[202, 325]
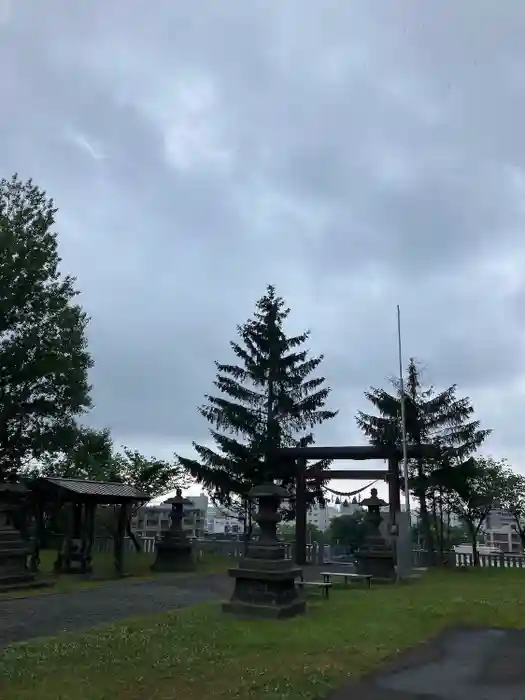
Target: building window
[498, 537]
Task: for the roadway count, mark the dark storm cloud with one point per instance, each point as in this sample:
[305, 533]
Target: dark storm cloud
[357, 155]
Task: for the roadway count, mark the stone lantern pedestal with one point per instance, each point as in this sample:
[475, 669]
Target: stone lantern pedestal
[13, 549]
[265, 580]
[175, 551]
[376, 556]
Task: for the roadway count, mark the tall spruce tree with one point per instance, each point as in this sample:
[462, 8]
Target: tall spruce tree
[268, 400]
[44, 360]
[440, 419]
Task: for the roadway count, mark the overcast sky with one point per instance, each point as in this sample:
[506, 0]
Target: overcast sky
[355, 154]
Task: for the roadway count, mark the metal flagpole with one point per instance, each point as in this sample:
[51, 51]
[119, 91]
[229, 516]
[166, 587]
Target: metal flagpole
[403, 417]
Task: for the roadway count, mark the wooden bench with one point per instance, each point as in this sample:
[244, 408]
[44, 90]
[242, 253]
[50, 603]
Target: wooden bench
[347, 576]
[323, 586]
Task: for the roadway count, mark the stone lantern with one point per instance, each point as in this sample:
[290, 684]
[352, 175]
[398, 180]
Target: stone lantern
[13, 549]
[265, 580]
[376, 556]
[175, 551]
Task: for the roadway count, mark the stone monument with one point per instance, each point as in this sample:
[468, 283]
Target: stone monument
[376, 556]
[265, 580]
[14, 550]
[174, 550]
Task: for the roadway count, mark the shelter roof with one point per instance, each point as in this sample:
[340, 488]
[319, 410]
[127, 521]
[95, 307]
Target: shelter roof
[86, 490]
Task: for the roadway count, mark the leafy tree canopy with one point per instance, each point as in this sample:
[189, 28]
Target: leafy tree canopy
[349, 530]
[89, 457]
[155, 477]
[92, 456]
[44, 360]
[474, 488]
[512, 498]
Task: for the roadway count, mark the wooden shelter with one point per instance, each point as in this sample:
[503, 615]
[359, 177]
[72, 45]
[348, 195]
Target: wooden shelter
[81, 498]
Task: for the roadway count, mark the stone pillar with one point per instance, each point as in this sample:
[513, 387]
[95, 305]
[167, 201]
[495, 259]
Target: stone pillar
[265, 580]
[175, 551]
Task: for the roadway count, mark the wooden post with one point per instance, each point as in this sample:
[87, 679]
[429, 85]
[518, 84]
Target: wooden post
[394, 496]
[300, 513]
[38, 513]
[76, 525]
[119, 540]
[68, 540]
[90, 532]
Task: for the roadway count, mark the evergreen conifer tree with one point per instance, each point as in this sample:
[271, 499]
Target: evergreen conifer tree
[440, 419]
[44, 360]
[268, 400]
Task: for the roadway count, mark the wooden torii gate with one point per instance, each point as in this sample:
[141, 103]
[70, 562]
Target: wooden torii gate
[360, 452]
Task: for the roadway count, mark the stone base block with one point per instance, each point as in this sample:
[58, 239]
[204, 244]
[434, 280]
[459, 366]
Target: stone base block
[380, 565]
[13, 558]
[266, 592]
[269, 612]
[173, 559]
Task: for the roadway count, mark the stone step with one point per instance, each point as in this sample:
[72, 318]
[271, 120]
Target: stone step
[9, 535]
[9, 546]
[23, 586]
[15, 551]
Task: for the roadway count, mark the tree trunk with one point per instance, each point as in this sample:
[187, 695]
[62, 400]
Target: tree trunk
[248, 526]
[441, 524]
[448, 527]
[473, 537]
[426, 529]
[521, 533]
[435, 520]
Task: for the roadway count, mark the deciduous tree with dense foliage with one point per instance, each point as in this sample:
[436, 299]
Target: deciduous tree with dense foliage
[474, 488]
[440, 419]
[92, 456]
[269, 399]
[44, 360]
[89, 457]
[154, 477]
[513, 499]
[349, 530]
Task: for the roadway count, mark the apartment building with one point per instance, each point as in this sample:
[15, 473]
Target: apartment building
[499, 532]
[150, 521]
[322, 517]
[221, 521]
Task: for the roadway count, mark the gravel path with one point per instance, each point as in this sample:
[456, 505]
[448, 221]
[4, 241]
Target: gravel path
[49, 615]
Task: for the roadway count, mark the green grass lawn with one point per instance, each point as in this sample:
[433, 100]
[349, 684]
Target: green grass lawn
[201, 653]
[136, 564]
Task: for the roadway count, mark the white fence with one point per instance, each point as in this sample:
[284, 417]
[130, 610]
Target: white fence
[494, 561]
[462, 559]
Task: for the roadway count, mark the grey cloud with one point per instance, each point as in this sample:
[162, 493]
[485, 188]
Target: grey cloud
[356, 155]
